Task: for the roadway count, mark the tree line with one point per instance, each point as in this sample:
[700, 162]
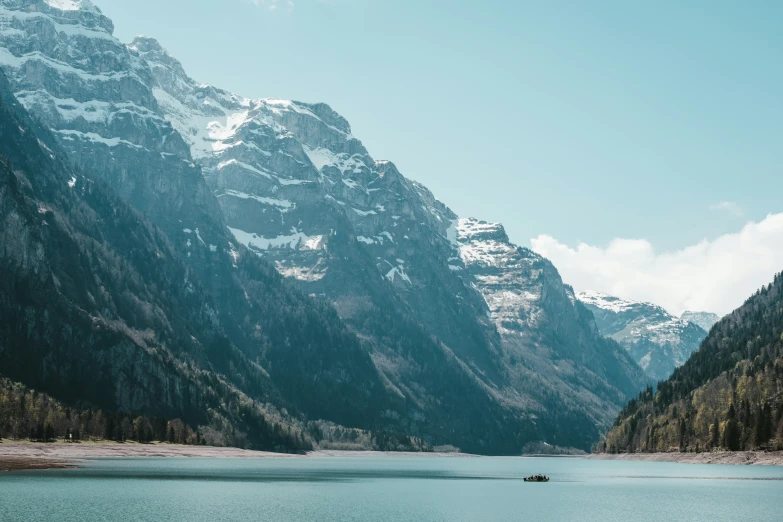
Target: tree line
[728, 396]
[27, 414]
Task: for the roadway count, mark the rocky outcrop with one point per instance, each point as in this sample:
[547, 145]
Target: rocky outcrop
[552, 351]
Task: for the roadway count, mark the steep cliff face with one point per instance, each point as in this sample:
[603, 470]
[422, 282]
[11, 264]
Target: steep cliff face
[96, 308]
[95, 94]
[658, 341]
[292, 179]
[434, 346]
[552, 351]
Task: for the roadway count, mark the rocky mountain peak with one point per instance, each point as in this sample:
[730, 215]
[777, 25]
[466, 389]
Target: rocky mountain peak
[327, 115]
[147, 44]
[471, 229]
[705, 320]
[387, 171]
[156, 55]
[95, 94]
[609, 302]
[65, 13]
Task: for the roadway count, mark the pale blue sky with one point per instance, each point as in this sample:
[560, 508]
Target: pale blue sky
[586, 121]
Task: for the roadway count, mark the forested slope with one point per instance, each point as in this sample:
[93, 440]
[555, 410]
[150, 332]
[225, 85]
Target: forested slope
[27, 414]
[729, 395]
[97, 309]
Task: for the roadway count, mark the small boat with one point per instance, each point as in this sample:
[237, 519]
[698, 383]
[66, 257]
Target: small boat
[537, 478]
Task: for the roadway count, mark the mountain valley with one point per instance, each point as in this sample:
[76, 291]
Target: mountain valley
[334, 288]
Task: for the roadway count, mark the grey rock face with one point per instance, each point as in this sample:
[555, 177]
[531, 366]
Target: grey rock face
[657, 340]
[287, 180]
[95, 94]
[95, 306]
[291, 177]
[550, 344]
[705, 320]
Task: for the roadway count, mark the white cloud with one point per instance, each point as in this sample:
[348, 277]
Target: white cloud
[713, 276]
[728, 206]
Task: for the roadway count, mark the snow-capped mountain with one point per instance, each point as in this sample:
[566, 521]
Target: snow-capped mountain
[466, 330]
[657, 340]
[705, 320]
[293, 180]
[81, 272]
[547, 337]
[298, 188]
[95, 95]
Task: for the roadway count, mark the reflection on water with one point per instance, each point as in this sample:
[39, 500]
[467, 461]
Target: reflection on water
[271, 474]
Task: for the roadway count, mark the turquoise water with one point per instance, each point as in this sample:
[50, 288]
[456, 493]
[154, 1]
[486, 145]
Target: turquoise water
[391, 488]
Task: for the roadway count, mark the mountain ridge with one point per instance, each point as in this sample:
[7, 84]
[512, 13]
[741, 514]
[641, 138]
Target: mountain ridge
[289, 181]
[80, 300]
[258, 144]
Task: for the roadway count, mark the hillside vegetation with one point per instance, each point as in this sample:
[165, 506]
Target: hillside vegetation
[728, 396]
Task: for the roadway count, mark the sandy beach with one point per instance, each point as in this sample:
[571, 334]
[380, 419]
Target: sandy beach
[748, 458]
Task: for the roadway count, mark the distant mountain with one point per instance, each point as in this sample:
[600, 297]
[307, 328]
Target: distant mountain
[729, 395]
[416, 321]
[705, 320]
[658, 341]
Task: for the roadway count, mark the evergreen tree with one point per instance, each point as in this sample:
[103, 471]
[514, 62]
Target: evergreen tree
[731, 433]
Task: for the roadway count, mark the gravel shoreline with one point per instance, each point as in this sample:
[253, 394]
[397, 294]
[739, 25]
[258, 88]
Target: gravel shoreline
[746, 458]
[23, 455]
[32, 463]
[16, 456]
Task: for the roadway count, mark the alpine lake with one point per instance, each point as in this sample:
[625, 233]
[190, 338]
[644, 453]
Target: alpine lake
[391, 488]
